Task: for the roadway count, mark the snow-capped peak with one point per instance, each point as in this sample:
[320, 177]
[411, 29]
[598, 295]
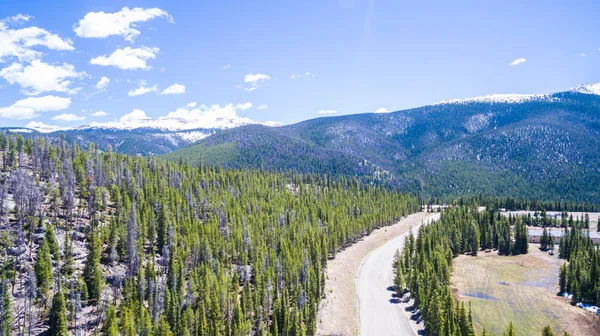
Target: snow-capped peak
[587, 89]
[176, 124]
[497, 98]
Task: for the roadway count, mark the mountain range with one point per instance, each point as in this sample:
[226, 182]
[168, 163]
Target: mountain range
[536, 146]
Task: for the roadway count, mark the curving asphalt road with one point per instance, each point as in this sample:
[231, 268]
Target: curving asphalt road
[379, 315]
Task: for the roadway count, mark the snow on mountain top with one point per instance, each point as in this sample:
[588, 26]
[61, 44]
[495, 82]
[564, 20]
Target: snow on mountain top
[497, 98]
[175, 124]
[587, 89]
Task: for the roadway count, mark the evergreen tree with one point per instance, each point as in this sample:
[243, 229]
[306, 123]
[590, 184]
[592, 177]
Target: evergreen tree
[164, 329]
[57, 318]
[110, 326]
[562, 278]
[510, 330]
[92, 273]
[43, 268]
[399, 280]
[6, 316]
[547, 331]
[52, 244]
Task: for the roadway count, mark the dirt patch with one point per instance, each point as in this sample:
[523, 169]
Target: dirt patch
[338, 312]
[521, 289]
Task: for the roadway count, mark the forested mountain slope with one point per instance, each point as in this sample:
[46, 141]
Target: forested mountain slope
[115, 244]
[543, 146]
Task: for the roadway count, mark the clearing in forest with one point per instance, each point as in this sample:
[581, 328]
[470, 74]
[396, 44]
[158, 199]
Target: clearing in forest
[522, 289]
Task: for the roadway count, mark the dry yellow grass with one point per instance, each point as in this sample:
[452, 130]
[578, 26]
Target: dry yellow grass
[521, 289]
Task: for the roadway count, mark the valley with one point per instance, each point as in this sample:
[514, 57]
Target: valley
[299, 168]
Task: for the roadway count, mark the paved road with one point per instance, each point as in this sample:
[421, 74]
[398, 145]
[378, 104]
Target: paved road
[377, 315]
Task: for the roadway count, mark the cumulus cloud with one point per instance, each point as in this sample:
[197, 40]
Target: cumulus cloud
[190, 116]
[41, 77]
[306, 75]
[382, 110]
[582, 54]
[19, 43]
[68, 117]
[28, 108]
[143, 89]
[262, 107]
[102, 83]
[253, 78]
[244, 106]
[518, 61]
[215, 115]
[99, 114]
[122, 23]
[175, 89]
[327, 112]
[127, 58]
[228, 66]
[42, 127]
[255, 81]
[134, 116]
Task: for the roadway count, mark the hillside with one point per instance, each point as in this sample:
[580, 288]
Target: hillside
[534, 146]
[102, 243]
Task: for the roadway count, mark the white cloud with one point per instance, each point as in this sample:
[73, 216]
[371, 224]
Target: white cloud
[28, 108]
[127, 58]
[18, 18]
[208, 115]
[99, 114]
[19, 43]
[41, 77]
[582, 54]
[255, 81]
[175, 89]
[102, 83]
[382, 110]
[134, 116]
[327, 112]
[190, 116]
[518, 61]
[68, 117]
[121, 23]
[244, 106]
[228, 66]
[42, 127]
[143, 89]
[253, 78]
[262, 107]
[307, 75]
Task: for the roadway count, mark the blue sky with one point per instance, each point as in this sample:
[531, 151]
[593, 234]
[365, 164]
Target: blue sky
[346, 56]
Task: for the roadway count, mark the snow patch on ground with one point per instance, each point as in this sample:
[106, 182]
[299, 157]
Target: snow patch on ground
[586, 306]
[194, 136]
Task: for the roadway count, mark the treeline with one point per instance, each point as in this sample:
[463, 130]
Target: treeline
[170, 249]
[424, 266]
[512, 204]
[472, 231]
[541, 219]
[581, 277]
